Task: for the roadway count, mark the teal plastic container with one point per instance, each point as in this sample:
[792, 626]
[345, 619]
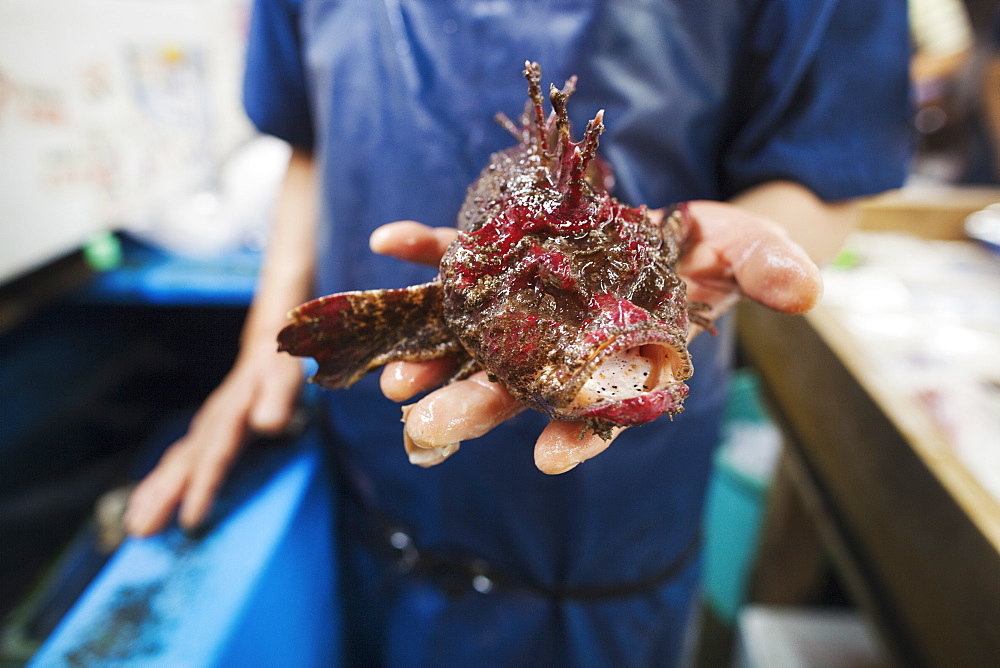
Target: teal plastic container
[737, 496]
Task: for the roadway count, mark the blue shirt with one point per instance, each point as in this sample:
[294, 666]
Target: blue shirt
[703, 99]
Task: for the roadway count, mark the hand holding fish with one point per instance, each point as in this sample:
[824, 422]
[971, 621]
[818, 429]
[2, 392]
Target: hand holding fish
[731, 253]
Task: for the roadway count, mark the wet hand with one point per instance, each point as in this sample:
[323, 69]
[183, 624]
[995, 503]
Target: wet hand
[729, 254]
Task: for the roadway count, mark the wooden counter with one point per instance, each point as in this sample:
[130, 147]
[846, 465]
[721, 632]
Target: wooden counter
[913, 536]
[908, 530]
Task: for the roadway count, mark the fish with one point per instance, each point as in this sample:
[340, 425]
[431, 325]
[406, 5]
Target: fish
[563, 294]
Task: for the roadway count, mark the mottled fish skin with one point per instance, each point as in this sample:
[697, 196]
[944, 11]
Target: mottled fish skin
[561, 292]
[352, 333]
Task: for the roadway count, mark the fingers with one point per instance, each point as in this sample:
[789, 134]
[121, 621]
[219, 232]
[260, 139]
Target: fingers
[153, 501]
[219, 440]
[459, 411]
[422, 455]
[401, 380]
[412, 241]
[563, 445]
[192, 469]
[729, 244]
[437, 424]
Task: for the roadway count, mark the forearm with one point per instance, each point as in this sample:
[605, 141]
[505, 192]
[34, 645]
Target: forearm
[819, 227]
[286, 273]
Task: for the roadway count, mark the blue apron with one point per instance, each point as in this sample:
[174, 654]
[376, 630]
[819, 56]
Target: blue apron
[483, 560]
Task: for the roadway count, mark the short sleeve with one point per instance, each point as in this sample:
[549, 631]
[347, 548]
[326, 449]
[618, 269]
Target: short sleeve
[275, 94]
[823, 98]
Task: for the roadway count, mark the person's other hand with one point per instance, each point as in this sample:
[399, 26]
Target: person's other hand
[730, 253]
[256, 397]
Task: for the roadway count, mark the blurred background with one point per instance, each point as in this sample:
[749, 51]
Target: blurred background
[134, 201]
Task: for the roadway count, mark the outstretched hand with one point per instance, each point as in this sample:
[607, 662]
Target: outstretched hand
[730, 253]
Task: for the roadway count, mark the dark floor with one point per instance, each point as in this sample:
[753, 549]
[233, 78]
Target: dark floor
[716, 639]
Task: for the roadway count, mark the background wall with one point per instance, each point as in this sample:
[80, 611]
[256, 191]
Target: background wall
[109, 109]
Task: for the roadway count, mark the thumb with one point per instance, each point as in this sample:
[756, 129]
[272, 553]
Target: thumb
[767, 265]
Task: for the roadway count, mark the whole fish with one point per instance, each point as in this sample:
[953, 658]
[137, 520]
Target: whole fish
[564, 295]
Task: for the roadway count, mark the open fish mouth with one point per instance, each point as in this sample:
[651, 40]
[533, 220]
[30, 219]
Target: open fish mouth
[633, 379]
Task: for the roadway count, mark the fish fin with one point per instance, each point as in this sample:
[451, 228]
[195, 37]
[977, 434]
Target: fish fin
[697, 314]
[680, 223]
[352, 333]
[468, 367]
[605, 429]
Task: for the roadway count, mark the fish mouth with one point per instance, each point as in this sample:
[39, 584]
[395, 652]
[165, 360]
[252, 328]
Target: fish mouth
[633, 379]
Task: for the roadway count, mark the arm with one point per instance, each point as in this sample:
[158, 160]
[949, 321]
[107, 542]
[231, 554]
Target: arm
[258, 394]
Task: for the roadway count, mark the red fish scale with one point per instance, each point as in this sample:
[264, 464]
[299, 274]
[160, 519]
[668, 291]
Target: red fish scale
[491, 244]
[615, 315]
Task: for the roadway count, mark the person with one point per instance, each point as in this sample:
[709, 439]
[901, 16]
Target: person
[774, 115]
